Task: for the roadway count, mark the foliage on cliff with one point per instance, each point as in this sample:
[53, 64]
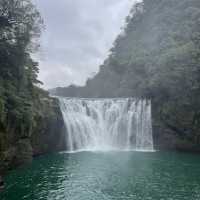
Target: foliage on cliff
[156, 56]
[20, 26]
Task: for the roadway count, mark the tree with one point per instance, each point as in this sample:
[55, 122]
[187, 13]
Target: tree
[20, 26]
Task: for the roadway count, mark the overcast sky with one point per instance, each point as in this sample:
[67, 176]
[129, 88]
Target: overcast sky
[77, 37]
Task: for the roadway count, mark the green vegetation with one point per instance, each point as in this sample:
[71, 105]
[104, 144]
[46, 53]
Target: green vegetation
[21, 101]
[20, 24]
[157, 56]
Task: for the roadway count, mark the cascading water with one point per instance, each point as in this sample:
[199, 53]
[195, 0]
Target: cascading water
[107, 124]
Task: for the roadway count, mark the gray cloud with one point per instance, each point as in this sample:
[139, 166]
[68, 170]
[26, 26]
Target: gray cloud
[77, 37]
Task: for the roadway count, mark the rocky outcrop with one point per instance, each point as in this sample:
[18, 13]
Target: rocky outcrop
[167, 140]
[49, 131]
[15, 155]
[46, 135]
[18, 154]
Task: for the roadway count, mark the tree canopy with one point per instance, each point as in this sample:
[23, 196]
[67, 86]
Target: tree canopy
[20, 26]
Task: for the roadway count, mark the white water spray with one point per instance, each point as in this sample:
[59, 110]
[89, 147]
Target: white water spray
[107, 124]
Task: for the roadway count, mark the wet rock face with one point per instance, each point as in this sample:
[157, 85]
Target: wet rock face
[49, 132]
[24, 152]
[17, 155]
[49, 137]
[164, 139]
[46, 136]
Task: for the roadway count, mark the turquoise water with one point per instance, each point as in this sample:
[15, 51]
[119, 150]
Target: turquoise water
[111, 175]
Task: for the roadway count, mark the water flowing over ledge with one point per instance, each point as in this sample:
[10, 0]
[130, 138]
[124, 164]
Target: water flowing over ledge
[118, 124]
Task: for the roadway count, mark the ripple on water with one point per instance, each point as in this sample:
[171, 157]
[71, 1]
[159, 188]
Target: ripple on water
[111, 175]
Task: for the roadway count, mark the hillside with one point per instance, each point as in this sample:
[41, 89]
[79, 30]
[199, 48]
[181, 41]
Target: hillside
[157, 56]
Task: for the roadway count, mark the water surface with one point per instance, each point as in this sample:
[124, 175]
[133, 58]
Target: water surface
[108, 175]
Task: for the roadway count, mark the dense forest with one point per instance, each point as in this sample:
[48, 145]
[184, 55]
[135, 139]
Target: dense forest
[24, 107]
[157, 56]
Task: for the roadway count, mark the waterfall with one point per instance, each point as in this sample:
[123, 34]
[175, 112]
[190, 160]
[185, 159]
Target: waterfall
[107, 124]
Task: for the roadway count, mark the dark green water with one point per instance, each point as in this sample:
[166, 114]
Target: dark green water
[99, 176]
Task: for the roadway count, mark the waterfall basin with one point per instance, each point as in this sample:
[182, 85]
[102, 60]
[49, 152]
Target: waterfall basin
[107, 175]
